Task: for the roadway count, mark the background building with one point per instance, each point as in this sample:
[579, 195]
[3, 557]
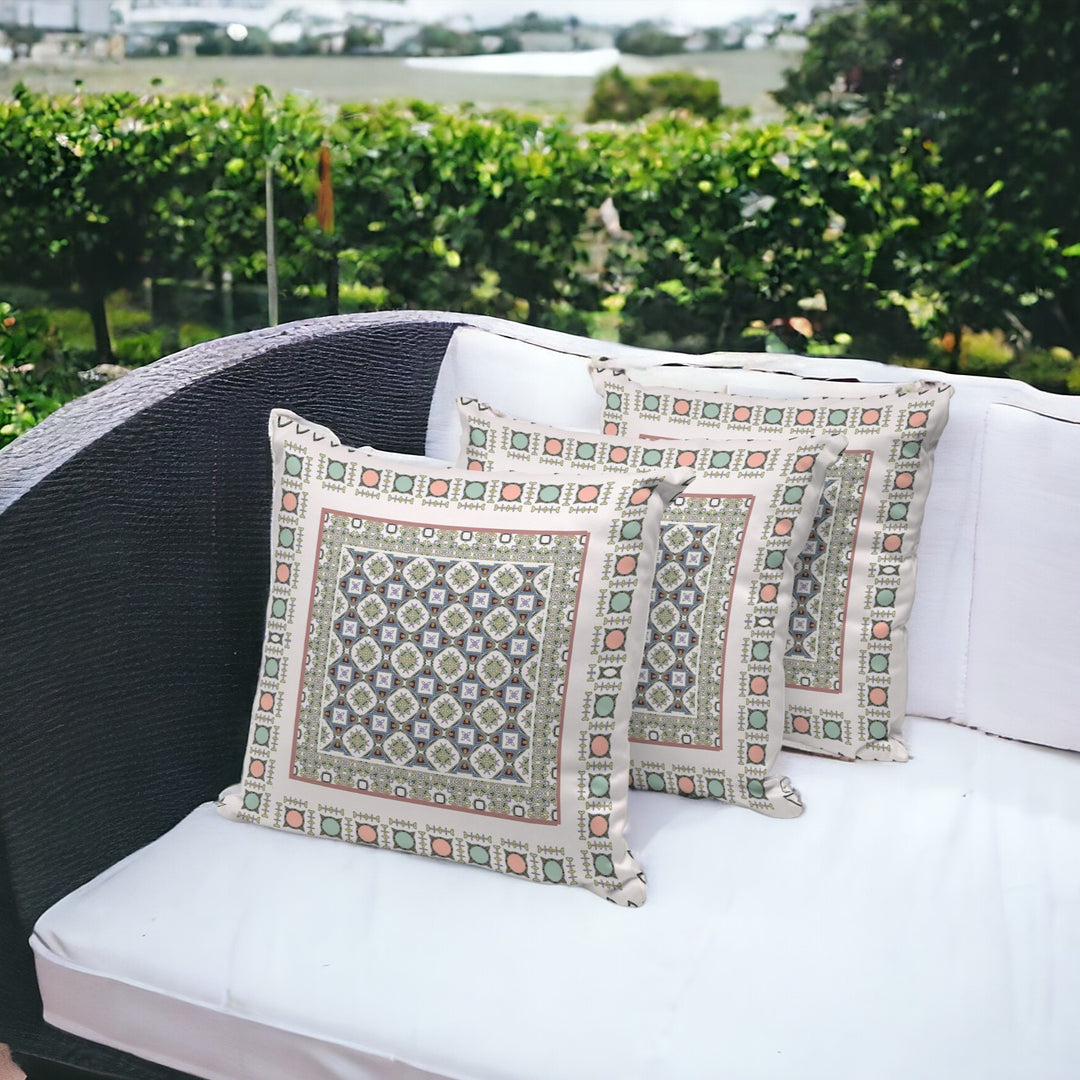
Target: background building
[79, 16]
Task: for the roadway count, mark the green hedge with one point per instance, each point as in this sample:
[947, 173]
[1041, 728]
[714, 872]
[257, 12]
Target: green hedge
[681, 231]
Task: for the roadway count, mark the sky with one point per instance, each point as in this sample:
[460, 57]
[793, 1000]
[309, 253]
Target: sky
[623, 12]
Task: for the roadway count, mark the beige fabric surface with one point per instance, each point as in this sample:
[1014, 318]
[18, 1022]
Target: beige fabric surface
[449, 660]
[708, 716]
[8, 1069]
[846, 662]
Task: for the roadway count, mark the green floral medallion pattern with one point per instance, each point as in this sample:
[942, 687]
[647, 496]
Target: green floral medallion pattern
[434, 664]
[815, 650]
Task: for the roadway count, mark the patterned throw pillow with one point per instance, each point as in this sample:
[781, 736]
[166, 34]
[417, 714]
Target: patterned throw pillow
[708, 716]
[846, 653]
[449, 660]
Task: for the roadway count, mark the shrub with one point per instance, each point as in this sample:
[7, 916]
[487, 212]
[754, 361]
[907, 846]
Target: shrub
[680, 229]
[683, 90]
[985, 353]
[195, 334]
[1053, 369]
[24, 339]
[647, 39]
[619, 97]
[125, 320]
[27, 352]
[140, 349]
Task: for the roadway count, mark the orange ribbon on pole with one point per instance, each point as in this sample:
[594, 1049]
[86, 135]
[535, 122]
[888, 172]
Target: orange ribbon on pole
[324, 207]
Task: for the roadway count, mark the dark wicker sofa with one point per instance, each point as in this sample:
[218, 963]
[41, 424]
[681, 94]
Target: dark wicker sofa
[91, 671]
[133, 579]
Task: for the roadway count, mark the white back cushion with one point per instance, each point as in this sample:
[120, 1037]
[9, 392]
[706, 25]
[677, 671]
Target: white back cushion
[994, 630]
[515, 377]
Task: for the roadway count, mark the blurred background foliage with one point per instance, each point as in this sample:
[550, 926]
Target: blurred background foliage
[994, 86]
[916, 205]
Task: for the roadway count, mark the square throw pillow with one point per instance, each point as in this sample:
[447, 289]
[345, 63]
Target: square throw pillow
[708, 715]
[449, 660]
[846, 653]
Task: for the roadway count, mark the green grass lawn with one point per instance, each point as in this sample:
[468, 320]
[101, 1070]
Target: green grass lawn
[746, 77]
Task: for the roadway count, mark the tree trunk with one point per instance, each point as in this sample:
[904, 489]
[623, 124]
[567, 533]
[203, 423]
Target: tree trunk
[333, 301]
[95, 305]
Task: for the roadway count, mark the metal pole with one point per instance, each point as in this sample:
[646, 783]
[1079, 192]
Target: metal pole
[271, 249]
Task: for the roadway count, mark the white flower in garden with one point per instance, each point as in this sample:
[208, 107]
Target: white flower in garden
[837, 225]
[756, 203]
[69, 144]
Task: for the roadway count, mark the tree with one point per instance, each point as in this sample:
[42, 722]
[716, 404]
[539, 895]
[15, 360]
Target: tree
[535, 23]
[648, 39]
[438, 40]
[360, 38]
[617, 96]
[992, 83]
[80, 180]
[98, 192]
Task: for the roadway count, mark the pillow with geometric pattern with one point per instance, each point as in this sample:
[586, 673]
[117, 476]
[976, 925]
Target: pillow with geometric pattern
[845, 657]
[708, 715]
[449, 660]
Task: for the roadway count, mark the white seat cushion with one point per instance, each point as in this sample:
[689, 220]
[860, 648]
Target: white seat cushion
[231, 951]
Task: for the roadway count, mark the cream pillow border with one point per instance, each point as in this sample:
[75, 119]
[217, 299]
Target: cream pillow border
[314, 471]
[870, 725]
[741, 772]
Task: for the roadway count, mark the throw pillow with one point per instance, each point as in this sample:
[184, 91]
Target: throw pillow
[846, 653]
[449, 660]
[708, 715]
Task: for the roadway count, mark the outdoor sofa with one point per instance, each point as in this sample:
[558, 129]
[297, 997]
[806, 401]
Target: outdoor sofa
[920, 919]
